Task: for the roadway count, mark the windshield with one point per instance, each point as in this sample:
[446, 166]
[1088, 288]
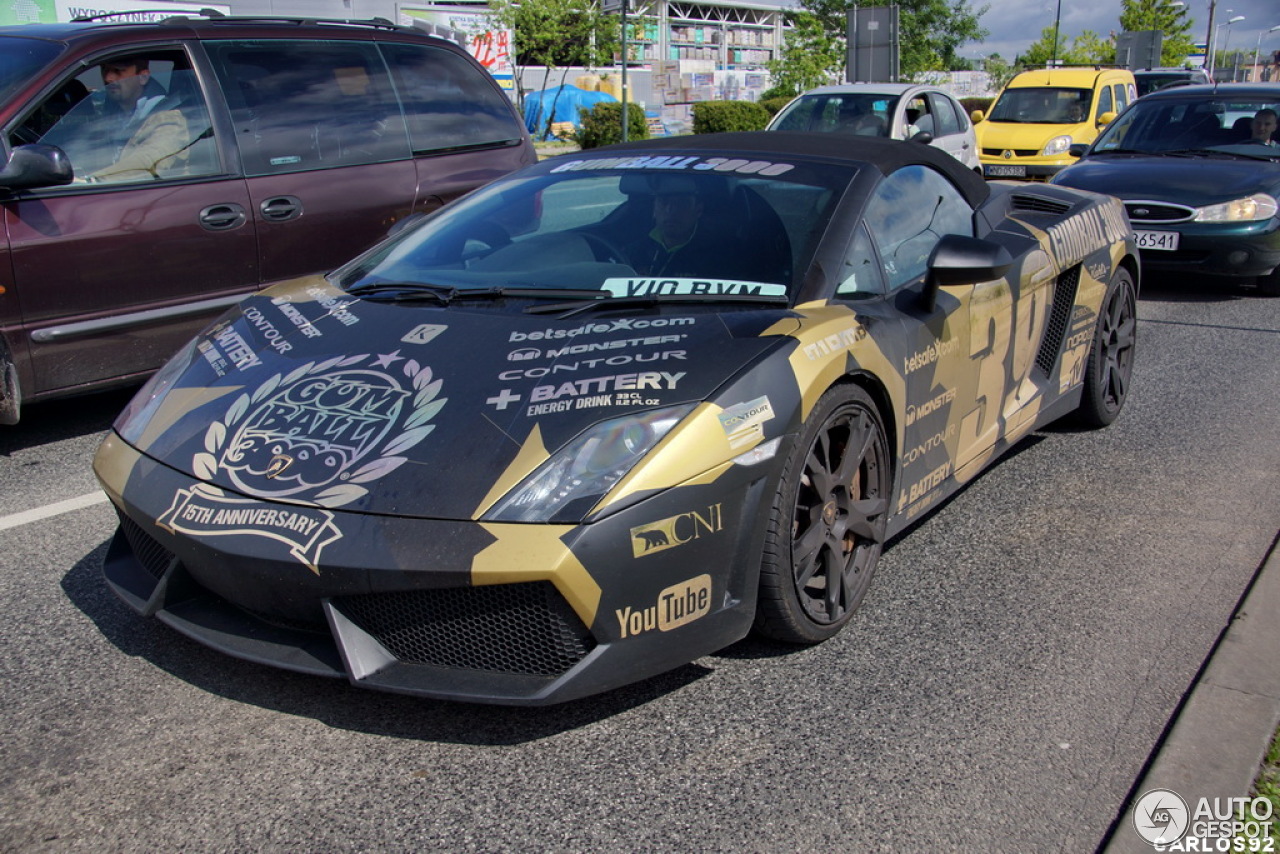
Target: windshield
[585, 225]
[1241, 125]
[862, 113]
[21, 59]
[1046, 105]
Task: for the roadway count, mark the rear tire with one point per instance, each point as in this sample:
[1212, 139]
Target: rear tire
[1110, 366]
[827, 524]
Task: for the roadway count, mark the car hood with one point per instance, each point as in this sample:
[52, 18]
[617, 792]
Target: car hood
[1188, 181]
[305, 395]
[1006, 135]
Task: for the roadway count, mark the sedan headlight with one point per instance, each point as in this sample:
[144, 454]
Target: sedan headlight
[1257, 207]
[133, 420]
[1057, 145]
[569, 484]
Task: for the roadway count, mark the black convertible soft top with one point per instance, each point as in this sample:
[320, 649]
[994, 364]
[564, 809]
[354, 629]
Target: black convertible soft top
[886, 155]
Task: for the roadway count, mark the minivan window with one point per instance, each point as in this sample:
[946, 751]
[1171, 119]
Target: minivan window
[1104, 100]
[20, 59]
[301, 105]
[127, 118]
[446, 103]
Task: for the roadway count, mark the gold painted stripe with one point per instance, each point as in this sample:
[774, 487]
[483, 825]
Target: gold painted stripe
[523, 553]
[532, 454]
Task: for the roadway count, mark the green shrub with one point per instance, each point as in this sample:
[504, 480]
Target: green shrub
[726, 116]
[971, 104]
[774, 105]
[602, 124]
[778, 91]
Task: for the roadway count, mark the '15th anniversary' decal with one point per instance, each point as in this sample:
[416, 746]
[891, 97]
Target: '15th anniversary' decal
[314, 435]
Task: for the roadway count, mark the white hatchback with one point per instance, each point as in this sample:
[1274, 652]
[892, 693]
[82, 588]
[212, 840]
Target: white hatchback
[894, 110]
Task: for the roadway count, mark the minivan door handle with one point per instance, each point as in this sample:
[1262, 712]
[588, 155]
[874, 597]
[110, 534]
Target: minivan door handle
[222, 217]
[281, 208]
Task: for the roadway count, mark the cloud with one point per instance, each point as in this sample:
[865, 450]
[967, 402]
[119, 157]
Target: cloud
[1015, 24]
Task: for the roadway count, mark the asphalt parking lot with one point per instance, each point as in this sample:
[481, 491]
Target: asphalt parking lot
[1018, 666]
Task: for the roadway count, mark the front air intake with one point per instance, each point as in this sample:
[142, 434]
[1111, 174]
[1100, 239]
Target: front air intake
[504, 628]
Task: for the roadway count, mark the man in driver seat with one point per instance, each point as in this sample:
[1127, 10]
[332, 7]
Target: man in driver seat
[681, 242]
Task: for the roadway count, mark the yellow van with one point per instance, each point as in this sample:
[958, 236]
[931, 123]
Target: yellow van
[1040, 114]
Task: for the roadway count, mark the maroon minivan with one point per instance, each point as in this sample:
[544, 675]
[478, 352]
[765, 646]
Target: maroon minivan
[155, 173]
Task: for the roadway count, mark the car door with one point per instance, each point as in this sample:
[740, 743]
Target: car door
[116, 270]
[965, 371]
[324, 147]
[950, 130]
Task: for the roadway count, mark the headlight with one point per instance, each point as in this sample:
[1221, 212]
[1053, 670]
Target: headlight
[569, 484]
[1257, 207]
[134, 418]
[1057, 145]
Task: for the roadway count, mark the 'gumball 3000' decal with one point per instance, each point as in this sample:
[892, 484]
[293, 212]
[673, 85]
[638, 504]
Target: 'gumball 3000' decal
[319, 432]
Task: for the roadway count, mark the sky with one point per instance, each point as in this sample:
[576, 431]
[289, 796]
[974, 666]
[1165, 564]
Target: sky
[1015, 24]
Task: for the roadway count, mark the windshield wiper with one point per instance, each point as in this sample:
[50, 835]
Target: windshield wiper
[573, 308]
[403, 292]
[447, 294]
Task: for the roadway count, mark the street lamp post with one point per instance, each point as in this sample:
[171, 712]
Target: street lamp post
[1226, 46]
[1257, 48]
[1213, 40]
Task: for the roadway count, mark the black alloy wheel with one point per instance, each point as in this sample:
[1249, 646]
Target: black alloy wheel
[827, 526]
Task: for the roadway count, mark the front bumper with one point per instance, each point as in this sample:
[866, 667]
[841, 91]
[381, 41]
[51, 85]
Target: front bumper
[1212, 249]
[492, 613]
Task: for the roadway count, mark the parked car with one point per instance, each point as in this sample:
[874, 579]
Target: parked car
[156, 173]
[607, 414]
[892, 110]
[1198, 170]
[1040, 114]
[1149, 80]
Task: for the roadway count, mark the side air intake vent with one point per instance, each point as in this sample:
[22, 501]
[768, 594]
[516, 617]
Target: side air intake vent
[1064, 299]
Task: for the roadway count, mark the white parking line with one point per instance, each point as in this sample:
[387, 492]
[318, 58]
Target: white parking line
[56, 509]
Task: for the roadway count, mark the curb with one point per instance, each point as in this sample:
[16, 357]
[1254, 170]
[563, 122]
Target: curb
[1219, 735]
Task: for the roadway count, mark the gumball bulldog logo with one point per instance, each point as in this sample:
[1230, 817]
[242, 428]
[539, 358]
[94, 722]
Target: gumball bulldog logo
[322, 431]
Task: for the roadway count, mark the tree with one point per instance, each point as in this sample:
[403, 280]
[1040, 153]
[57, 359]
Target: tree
[1085, 49]
[1173, 21]
[998, 70]
[810, 56]
[558, 34]
[929, 31]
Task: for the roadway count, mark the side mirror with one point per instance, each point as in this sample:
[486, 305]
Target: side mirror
[923, 137]
[1078, 149]
[960, 260]
[36, 165]
[1106, 118]
[977, 116]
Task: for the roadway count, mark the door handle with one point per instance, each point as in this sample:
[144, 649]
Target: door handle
[281, 208]
[222, 217]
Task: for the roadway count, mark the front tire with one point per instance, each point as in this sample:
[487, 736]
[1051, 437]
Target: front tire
[1110, 366]
[827, 524]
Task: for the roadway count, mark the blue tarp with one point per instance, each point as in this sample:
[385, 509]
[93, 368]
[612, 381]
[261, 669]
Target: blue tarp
[567, 100]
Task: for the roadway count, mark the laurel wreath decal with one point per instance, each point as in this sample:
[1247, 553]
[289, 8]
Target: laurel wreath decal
[425, 405]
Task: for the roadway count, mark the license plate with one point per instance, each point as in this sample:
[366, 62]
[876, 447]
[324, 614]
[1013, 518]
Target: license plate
[1010, 171]
[1166, 240]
